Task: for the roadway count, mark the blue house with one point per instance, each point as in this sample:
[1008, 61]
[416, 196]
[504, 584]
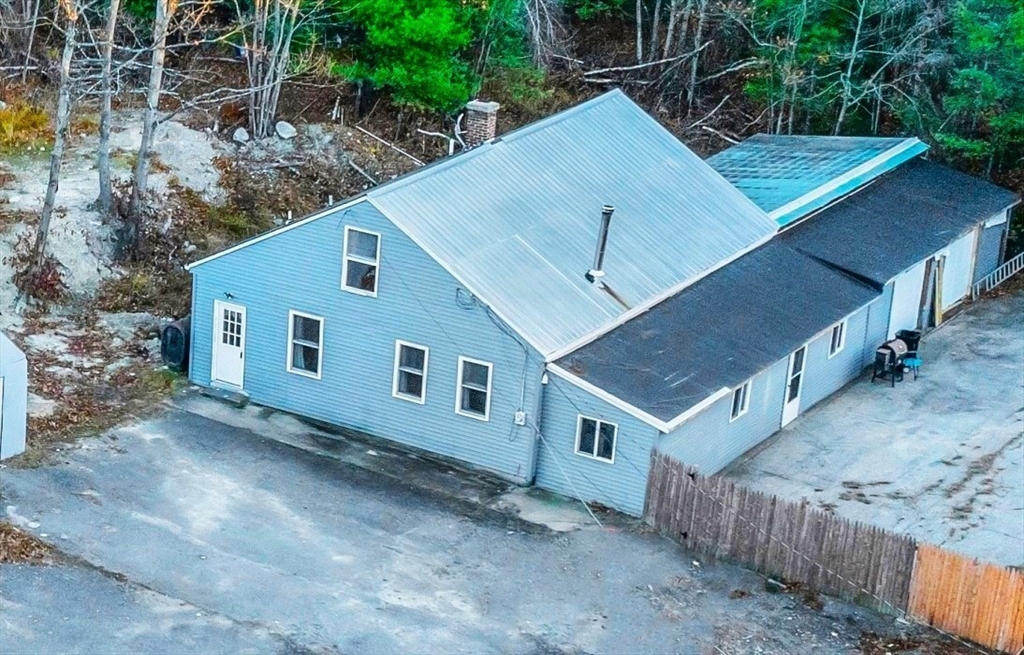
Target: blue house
[555, 303]
[13, 398]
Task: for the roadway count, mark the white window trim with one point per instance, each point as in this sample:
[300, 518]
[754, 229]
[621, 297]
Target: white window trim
[746, 399]
[597, 437]
[394, 378]
[842, 325]
[345, 257]
[490, 387]
[319, 351]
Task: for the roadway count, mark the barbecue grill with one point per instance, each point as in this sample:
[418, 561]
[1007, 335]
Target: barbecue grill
[889, 361]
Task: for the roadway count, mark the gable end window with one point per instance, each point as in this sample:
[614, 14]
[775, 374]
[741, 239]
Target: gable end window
[473, 397]
[740, 401]
[596, 439]
[305, 344]
[360, 261]
[410, 378]
[838, 339]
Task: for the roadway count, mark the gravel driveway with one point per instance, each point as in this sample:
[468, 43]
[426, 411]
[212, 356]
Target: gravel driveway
[193, 536]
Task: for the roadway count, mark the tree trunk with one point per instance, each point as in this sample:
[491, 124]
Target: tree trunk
[105, 201]
[655, 25]
[31, 38]
[698, 35]
[639, 31]
[141, 172]
[848, 76]
[63, 119]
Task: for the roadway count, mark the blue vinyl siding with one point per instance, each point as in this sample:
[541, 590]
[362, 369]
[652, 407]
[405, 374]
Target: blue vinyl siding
[990, 247]
[710, 442]
[825, 376]
[877, 328]
[621, 484]
[417, 301]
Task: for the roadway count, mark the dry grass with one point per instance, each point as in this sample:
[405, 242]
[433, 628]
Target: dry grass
[24, 127]
[17, 547]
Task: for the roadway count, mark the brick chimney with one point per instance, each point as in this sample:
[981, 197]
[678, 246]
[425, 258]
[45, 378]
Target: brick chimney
[481, 122]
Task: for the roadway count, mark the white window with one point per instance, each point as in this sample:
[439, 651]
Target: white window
[305, 344]
[361, 261]
[410, 379]
[596, 438]
[838, 339]
[740, 401]
[474, 391]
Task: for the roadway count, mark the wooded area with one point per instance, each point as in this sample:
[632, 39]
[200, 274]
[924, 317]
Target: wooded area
[948, 71]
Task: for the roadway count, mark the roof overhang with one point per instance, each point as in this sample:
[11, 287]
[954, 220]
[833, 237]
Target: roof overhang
[634, 411]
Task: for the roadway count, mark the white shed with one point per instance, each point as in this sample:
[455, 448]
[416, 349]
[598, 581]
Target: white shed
[13, 398]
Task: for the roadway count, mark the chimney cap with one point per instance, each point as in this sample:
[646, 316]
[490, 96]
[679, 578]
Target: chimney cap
[486, 107]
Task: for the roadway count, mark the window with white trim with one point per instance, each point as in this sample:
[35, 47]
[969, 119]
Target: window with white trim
[410, 378]
[474, 389]
[305, 344]
[838, 340]
[596, 438]
[361, 261]
[740, 401]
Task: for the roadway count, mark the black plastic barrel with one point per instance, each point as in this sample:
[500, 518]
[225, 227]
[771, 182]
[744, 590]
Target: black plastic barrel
[910, 337]
[174, 344]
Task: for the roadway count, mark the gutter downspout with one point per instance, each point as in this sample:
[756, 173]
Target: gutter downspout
[536, 423]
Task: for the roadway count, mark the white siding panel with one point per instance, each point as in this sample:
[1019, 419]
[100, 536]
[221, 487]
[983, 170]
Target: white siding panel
[906, 299]
[956, 277]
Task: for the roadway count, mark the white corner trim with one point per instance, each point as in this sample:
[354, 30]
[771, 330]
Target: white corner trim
[849, 175]
[275, 231]
[627, 316]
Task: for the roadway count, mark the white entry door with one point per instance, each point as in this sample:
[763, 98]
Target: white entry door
[794, 384]
[228, 344]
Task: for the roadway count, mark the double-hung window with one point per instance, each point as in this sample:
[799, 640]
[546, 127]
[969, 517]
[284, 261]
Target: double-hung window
[474, 389]
[838, 339]
[740, 401]
[361, 261]
[596, 438]
[410, 379]
[305, 344]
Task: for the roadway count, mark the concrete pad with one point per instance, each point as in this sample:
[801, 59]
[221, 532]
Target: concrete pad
[338, 558]
[940, 458]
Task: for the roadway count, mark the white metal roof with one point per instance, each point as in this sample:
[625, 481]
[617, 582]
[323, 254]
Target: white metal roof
[517, 218]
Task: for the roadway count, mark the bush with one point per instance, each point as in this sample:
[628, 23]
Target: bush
[24, 126]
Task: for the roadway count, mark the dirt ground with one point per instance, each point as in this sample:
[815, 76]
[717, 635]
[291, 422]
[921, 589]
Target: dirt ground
[940, 458]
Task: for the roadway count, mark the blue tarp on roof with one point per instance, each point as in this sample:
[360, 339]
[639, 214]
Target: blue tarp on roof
[791, 176]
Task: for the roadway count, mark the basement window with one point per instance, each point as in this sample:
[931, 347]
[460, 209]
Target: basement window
[305, 344]
[596, 439]
[740, 401]
[474, 389]
[410, 378]
[361, 261]
[838, 339]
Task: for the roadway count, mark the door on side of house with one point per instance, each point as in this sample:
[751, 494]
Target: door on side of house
[794, 385]
[228, 366]
[906, 300]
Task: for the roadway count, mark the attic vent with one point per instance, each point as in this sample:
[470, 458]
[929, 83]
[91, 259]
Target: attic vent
[602, 241]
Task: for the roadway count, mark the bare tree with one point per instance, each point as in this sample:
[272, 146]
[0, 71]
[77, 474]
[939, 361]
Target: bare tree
[140, 174]
[105, 201]
[70, 15]
[267, 35]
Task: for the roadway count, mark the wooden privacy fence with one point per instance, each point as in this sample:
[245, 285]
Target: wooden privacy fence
[783, 539]
[980, 601]
[794, 542]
